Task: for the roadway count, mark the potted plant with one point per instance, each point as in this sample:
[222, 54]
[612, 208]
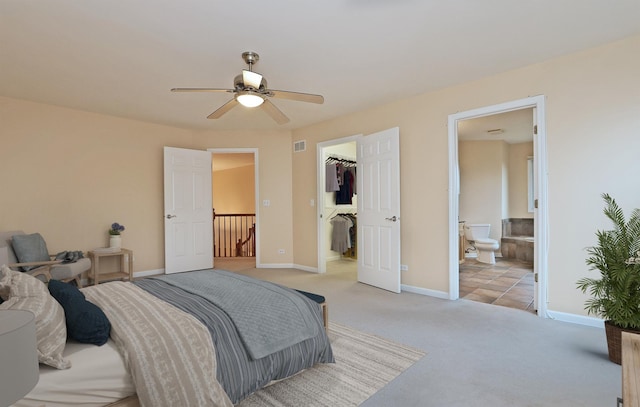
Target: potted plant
[115, 240]
[615, 296]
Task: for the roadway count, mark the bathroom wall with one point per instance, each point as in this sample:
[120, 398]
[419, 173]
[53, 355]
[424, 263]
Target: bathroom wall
[493, 182]
[482, 183]
[518, 180]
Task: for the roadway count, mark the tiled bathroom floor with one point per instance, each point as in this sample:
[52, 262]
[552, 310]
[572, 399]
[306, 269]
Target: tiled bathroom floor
[508, 283]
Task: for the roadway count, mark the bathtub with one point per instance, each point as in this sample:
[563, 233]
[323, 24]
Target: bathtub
[517, 239]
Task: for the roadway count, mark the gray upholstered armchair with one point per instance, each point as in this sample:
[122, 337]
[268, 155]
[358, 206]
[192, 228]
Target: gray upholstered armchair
[29, 253]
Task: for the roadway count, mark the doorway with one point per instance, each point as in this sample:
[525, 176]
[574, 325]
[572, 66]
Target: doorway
[493, 155]
[378, 202]
[539, 194]
[235, 180]
[333, 261]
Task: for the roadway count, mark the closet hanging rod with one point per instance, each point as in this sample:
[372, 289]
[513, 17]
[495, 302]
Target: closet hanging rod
[338, 159]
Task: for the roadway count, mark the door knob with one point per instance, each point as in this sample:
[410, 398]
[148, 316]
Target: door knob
[392, 219]
[171, 216]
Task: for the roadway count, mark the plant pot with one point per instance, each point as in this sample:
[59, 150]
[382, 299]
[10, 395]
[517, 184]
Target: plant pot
[115, 241]
[614, 340]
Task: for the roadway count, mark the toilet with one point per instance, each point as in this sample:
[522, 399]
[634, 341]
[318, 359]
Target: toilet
[478, 235]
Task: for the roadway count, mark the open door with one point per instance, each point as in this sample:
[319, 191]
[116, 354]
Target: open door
[378, 188]
[188, 233]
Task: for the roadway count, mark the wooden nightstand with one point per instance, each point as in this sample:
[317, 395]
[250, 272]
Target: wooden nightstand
[126, 266]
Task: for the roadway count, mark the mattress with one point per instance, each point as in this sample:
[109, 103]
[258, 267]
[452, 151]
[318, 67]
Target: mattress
[97, 377]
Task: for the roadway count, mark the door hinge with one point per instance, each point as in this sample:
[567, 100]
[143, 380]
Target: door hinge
[535, 129]
[535, 277]
[535, 203]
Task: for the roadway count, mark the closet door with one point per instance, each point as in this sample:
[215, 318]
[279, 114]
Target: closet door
[378, 185]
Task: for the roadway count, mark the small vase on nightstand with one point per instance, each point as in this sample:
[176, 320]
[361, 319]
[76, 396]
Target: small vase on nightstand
[115, 241]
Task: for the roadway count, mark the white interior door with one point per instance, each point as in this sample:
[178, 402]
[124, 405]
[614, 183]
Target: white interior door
[378, 187]
[188, 218]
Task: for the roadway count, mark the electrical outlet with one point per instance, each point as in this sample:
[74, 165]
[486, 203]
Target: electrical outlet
[266, 202]
[280, 251]
[404, 267]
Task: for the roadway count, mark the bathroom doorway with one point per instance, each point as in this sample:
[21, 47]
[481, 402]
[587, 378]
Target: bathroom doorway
[493, 156]
[491, 150]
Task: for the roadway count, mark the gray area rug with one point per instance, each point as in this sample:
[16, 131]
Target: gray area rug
[364, 364]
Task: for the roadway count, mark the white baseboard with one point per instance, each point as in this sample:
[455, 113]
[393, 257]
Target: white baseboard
[274, 266]
[576, 319]
[424, 291]
[306, 268]
[148, 273]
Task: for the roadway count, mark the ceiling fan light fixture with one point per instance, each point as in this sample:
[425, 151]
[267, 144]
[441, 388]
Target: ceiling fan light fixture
[249, 99]
[250, 78]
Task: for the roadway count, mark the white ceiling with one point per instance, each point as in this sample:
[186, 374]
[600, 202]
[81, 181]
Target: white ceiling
[122, 57]
[512, 127]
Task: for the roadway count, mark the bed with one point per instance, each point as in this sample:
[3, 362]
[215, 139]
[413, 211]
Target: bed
[200, 338]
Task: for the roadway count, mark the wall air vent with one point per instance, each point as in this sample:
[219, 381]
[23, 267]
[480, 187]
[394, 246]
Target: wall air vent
[299, 146]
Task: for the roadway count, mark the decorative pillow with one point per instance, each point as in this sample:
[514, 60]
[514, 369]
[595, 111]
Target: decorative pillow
[86, 322]
[29, 248]
[30, 294]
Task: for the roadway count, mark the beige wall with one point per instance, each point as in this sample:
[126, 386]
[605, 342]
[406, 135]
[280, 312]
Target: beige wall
[69, 174]
[274, 184]
[234, 191]
[518, 180]
[593, 128]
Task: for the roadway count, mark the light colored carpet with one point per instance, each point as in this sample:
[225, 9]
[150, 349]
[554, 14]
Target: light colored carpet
[364, 364]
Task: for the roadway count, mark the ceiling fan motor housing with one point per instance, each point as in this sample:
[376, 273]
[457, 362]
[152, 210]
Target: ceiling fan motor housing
[238, 83]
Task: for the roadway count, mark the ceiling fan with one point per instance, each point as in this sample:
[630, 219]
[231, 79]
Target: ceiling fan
[250, 90]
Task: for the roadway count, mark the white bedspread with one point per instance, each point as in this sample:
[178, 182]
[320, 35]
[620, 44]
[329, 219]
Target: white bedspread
[97, 377]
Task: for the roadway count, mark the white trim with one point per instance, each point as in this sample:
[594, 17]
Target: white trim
[256, 176]
[541, 224]
[147, 273]
[306, 268]
[320, 184]
[424, 291]
[274, 266]
[576, 319]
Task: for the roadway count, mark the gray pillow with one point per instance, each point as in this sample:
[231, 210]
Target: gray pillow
[30, 248]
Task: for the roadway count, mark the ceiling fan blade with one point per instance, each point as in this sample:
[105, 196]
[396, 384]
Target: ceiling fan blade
[300, 97]
[223, 109]
[201, 90]
[274, 112]
[250, 78]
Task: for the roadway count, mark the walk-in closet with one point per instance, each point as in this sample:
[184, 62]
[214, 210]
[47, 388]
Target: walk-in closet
[340, 207]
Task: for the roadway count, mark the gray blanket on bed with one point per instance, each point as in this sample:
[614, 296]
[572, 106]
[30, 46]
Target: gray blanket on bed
[268, 317]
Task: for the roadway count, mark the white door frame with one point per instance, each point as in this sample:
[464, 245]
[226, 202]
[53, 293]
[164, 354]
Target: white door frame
[540, 191]
[320, 203]
[256, 167]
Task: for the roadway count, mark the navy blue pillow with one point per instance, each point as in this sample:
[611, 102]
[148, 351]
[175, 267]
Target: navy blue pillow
[86, 322]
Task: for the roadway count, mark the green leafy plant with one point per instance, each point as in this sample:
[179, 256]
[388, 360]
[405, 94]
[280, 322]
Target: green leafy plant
[615, 296]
